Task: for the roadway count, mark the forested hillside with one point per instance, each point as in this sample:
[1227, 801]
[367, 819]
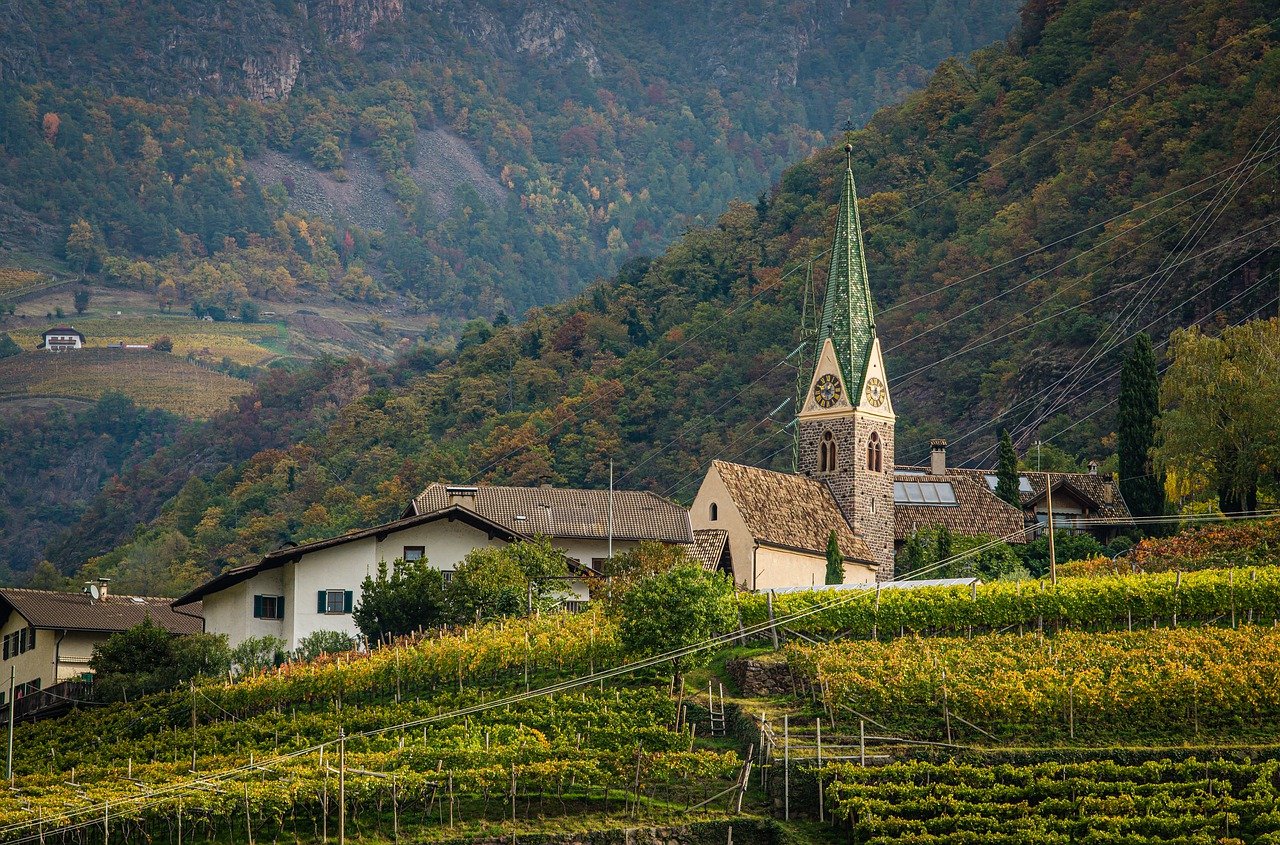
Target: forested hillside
[471, 158]
[1019, 213]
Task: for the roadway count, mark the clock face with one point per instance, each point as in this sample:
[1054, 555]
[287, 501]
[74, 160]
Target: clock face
[826, 392]
[876, 392]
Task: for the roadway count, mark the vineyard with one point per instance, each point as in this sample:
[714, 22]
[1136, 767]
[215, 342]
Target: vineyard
[14, 280]
[603, 753]
[1212, 596]
[1188, 801]
[243, 343]
[151, 379]
[1131, 686]
[1226, 545]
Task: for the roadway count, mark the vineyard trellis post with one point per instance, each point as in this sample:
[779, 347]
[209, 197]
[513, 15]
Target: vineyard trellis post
[817, 723]
[342, 786]
[786, 767]
[862, 743]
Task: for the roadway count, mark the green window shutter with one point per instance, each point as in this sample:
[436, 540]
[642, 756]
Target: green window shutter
[280, 607]
[320, 602]
[346, 601]
[257, 607]
[33, 636]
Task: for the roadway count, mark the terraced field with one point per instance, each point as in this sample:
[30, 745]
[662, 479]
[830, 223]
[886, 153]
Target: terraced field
[152, 379]
[244, 343]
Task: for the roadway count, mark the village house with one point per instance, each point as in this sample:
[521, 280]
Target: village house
[61, 339]
[49, 637]
[301, 589]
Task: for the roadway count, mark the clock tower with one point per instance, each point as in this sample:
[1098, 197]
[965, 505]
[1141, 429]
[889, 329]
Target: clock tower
[846, 421]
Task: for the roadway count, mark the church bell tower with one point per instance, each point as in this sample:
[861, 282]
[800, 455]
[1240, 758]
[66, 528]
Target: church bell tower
[846, 422]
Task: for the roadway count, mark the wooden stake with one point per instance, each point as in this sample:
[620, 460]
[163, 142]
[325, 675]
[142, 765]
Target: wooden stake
[342, 787]
[821, 810]
[786, 767]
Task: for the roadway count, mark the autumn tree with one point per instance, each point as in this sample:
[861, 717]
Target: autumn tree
[1217, 434]
[81, 300]
[83, 246]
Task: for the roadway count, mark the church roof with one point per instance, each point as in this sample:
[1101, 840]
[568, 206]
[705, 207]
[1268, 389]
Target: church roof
[790, 511]
[848, 317]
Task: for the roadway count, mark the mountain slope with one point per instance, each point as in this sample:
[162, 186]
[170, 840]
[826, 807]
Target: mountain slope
[608, 128]
[1026, 197]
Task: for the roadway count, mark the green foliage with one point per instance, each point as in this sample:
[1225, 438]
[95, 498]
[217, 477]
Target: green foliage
[835, 560]
[1007, 471]
[81, 300]
[1218, 433]
[924, 552]
[1067, 546]
[1139, 407]
[673, 609]
[509, 580]
[412, 596]
[643, 560]
[147, 659]
[257, 654]
[7, 346]
[320, 643]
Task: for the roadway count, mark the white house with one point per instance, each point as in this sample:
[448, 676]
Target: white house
[298, 590]
[61, 339]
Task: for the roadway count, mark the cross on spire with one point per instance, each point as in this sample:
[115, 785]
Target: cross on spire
[848, 318]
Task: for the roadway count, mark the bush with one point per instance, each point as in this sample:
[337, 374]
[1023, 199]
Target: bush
[394, 604]
[258, 653]
[323, 642]
[163, 344]
[8, 347]
[677, 608]
[492, 582]
[146, 658]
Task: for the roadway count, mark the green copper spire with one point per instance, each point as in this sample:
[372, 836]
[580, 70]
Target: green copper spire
[847, 316]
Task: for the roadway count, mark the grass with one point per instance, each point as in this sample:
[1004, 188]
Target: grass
[151, 379]
[243, 343]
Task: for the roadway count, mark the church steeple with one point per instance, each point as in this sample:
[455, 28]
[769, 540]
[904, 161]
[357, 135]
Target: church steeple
[848, 317]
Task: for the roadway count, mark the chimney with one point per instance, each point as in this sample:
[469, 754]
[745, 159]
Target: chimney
[102, 588]
[462, 496]
[938, 457]
[1093, 467]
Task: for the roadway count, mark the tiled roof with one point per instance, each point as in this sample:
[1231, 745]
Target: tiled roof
[977, 510]
[560, 512]
[77, 612]
[1101, 489]
[708, 546]
[790, 511]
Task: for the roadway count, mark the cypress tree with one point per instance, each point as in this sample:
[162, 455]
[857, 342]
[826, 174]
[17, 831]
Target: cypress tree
[1141, 486]
[1007, 471]
[835, 560]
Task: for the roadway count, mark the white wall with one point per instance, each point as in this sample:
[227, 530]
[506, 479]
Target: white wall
[230, 611]
[742, 544]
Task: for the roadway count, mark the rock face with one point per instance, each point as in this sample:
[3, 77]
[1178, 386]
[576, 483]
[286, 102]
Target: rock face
[761, 676]
[257, 50]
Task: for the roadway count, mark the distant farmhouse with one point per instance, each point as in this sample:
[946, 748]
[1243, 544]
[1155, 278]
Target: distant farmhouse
[61, 339]
[298, 590]
[49, 637]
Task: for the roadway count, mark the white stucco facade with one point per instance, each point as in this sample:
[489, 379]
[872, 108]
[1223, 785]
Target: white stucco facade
[343, 567]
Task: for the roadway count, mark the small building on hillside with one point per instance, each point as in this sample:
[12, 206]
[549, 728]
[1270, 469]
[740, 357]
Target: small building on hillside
[297, 590]
[61, 339]
[49, 637]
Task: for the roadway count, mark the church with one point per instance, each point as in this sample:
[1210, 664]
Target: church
[770, 530]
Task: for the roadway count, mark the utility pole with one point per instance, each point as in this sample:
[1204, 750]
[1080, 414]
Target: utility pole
[611, 508]
[8, 773]
[1053, 558]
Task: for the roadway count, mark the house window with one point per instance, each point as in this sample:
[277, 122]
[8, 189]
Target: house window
[448, 576]
[715, 511]
[333, 601]
[598, 564]
[414, 553]
[827, 453]
[875, 454]
[268, 607]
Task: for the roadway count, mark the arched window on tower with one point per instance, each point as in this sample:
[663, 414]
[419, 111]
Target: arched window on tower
[874, 452]
[827, 453]
[715, 511]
